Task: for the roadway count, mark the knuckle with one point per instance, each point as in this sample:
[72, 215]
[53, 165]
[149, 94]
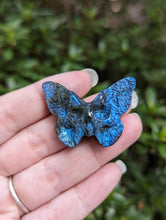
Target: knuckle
[35, 141]
[4, 170]
[8, 121]
[53, 177]
[81, 199]
[51, 211]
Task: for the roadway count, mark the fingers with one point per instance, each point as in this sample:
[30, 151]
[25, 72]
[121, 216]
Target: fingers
[27, 105]
[61, 171]
[79, 201]
[33, 143]
[29, 146]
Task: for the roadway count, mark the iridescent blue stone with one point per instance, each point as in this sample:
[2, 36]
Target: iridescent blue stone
[100, 118]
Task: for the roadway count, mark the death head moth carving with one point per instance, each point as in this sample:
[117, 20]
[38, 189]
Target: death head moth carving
[100, 118]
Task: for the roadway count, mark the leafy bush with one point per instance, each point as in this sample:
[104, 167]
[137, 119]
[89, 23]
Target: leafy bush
[117, 38]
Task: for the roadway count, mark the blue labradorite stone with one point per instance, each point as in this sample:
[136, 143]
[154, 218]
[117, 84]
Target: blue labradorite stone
[100, 118]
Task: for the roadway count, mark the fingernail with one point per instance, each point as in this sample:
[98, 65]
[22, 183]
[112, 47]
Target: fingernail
[93, 74]
[122, 166]
[134, 100]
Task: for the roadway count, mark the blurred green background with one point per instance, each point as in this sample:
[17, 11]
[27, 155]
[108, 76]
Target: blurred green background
[117, 39]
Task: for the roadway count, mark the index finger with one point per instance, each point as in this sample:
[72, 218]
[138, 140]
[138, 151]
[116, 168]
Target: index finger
[26, 106]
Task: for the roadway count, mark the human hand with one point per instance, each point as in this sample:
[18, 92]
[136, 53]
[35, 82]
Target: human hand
[51, 180]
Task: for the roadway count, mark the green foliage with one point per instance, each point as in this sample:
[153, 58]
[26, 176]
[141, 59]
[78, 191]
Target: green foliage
[40, 38]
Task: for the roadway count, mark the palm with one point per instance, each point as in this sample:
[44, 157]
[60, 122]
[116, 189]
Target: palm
[48, 177]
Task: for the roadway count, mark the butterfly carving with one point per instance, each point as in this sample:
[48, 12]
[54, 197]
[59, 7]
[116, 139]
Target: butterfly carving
[101, 117]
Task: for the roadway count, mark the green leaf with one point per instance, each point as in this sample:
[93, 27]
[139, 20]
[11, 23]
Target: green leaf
[8, 54]
[74, 51]
[162, 150]
[161, 111]
[164, 170]
[11, 83]
[125, 45]
[142, 149]
[151, 98]
[162, 134]
[119, 198]
[91, 12]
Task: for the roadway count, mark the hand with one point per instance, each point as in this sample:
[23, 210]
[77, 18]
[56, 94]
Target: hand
[51, 180]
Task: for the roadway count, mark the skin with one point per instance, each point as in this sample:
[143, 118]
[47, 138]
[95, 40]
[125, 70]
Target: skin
[52, 180]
